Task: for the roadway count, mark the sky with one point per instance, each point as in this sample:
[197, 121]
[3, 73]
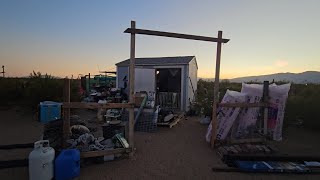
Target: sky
[72, 37]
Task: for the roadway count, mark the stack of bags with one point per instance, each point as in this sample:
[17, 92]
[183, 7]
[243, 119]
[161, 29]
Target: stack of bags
[245, 119]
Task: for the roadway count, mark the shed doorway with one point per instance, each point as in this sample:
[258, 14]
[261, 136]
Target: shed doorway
[168, 88]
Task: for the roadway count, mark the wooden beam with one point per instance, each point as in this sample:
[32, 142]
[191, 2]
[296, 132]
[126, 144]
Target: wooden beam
[242, 105]
[214, 121]
[66, 113]
[174, 35]
[109, 72]
[131, 83]
[89, 154]
[80, 105]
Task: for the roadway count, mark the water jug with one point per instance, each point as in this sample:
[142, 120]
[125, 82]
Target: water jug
[41, 161]
[67, 164]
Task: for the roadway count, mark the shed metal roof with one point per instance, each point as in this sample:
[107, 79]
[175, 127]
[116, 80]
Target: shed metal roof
[158, 61]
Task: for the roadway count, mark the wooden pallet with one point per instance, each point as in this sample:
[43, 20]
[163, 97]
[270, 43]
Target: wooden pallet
[171, 123]
[246, 149]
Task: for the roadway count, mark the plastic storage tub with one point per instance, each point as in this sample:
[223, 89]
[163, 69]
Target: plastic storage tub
[49, 111]
[67, 164]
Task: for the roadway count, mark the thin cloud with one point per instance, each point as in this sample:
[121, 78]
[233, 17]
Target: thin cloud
[281, 63]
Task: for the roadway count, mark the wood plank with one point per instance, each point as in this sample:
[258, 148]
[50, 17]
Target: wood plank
[66, 113]
[175, 35]
[172, 123]
[264, 172]
[249, 140]
[131, 83]
[81, 105]
[242, 105]
[89, 154]
[214, 121]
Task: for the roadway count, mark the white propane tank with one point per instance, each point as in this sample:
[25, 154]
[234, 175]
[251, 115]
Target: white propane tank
[41, 161]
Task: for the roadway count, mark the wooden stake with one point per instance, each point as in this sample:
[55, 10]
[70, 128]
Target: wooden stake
[2, 71]
[66, 113]
[216, 92]
[265, 100]
[89, 84]
[131, 83]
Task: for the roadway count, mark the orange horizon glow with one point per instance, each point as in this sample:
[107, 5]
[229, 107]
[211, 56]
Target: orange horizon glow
[66, 38]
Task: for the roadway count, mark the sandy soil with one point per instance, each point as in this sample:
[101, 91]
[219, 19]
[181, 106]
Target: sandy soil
[177, 153]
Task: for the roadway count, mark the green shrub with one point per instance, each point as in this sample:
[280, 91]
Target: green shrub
[35, 89]
[303, 103]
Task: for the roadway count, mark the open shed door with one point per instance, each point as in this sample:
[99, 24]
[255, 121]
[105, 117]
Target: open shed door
[145, 80]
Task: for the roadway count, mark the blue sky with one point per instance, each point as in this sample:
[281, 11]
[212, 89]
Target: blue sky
[65, 38]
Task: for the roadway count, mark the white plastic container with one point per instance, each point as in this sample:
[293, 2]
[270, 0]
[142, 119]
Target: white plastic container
[41, 161]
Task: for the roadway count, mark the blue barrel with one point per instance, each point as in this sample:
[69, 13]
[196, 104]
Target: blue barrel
[67, 164]
[50, 111]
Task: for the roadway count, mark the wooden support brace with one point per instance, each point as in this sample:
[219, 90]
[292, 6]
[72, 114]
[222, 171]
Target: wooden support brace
[80, 105]
[265, 100]
[131, 83]
[214, 121]
[66, 113]
[104, 152]
[242, 105]
[251, 140]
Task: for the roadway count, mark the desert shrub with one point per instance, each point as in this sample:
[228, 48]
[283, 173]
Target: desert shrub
[43, 88]
[34, 89]
[11, 89]
[205, 94]
[302, 105]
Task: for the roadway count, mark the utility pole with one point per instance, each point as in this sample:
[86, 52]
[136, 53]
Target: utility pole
[2, 71]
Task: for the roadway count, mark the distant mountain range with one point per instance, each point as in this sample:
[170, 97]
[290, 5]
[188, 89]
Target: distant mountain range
[298, 78]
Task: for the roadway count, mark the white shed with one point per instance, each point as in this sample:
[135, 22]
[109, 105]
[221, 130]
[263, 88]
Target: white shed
[172, 79]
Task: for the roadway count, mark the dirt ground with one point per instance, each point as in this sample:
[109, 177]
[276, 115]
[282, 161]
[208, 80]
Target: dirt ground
[177, 153]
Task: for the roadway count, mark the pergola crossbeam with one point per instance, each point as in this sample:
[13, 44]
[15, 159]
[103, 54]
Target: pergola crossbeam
[174, 35]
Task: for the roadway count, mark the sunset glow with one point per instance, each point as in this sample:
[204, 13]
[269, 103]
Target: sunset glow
[66, 38]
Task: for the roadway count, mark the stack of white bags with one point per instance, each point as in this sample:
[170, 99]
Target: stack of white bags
[247, 117]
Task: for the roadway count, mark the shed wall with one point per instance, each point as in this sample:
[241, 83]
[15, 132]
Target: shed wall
[122, 71]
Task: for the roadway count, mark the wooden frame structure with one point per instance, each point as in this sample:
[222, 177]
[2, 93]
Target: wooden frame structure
[133, 31]
[263, 125]
[219, 42]
[67, 105]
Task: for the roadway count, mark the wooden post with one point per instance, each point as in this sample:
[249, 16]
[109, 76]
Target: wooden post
[214, 120]
[2, 71]
[89, 84]
[265, 100]
[131, 83]
[66, 113]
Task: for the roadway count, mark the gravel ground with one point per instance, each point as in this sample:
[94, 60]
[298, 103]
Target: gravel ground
[177, 153]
